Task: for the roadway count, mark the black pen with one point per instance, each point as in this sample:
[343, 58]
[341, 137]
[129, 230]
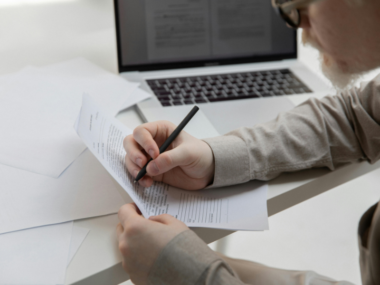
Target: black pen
[170, 139]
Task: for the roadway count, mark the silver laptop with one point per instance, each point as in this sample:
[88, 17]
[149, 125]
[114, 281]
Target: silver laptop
[235, 59]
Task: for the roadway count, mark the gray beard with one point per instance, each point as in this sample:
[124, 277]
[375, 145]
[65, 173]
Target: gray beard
[341, 76]
[341, 80]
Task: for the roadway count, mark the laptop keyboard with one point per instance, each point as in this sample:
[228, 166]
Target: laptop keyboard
[224, 87]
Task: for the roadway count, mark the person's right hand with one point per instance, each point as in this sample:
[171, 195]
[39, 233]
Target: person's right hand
[188, 163]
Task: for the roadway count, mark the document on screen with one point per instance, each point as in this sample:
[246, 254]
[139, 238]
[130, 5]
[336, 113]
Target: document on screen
[235, 208]
[196, 29]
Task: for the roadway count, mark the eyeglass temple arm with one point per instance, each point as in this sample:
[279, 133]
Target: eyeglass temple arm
[289, 6]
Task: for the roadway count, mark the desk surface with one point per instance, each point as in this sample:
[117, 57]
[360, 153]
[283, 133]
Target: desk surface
[40, 34]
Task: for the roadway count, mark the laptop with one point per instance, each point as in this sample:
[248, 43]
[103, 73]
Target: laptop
[235, 59]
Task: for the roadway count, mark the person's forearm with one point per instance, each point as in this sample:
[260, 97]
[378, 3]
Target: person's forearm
[319, 133]
[188, 260]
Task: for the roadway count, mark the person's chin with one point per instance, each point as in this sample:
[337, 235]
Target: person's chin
[340, 73]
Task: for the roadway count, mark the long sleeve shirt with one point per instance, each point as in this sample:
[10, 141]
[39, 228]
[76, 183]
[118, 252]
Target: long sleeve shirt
[319, 133]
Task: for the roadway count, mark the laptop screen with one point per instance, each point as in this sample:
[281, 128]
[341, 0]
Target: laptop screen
[162, 34]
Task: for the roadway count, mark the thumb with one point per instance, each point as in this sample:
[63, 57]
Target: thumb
[168, 160]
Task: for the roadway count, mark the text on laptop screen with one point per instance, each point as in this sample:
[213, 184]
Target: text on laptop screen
[154, 32]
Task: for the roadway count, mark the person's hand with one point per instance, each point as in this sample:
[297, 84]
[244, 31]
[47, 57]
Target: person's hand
[188, 162]
[141, 240]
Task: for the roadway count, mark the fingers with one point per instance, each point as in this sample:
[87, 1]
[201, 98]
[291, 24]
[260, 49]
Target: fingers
[128, 212]
[163, 219]
[146, 181]
[133, 169]
[134, 151]
[150, 135]
[166, 161]
[144, 141]
[144, 136]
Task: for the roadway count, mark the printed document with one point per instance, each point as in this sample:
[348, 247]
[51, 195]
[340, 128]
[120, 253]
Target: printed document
[233, 208]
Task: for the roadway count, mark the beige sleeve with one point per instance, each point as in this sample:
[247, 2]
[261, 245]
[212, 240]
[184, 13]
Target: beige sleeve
[187, 260]
[319, 133]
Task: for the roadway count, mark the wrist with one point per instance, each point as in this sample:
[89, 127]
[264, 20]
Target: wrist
[210, 164]
[231, 160]
[211, 175]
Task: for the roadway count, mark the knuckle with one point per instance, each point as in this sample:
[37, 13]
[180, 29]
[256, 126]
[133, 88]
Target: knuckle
[121, 210]
[165, 160]
[168, 123]
[127, 141]
[127, 160]
[137, 130]
[133, 155]
[132, 229]
[124, 248]
[168, 126]
[141, 137]
[166, 217]
[132, 169]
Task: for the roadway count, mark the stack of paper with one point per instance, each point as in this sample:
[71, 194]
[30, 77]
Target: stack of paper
[39, 106]
[47, 175]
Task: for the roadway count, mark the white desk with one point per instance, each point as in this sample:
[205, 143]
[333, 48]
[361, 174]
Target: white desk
[49, 33]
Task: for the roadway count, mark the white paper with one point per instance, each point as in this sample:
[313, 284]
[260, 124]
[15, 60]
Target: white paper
[229, 208]
[85, 69]
[78, 236]
[136, 96]
[38, 108]
[30, 200]
[241, 207]
[35, 256]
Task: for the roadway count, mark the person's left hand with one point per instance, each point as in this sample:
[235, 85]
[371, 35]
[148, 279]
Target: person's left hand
[141, 240]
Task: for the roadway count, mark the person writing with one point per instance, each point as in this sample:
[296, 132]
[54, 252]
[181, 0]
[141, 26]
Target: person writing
[319, 133]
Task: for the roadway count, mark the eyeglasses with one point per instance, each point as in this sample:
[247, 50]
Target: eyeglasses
[289, 10]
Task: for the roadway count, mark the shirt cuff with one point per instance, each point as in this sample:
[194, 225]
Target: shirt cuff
[182, 261]
[365, 225]
[231, 160]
